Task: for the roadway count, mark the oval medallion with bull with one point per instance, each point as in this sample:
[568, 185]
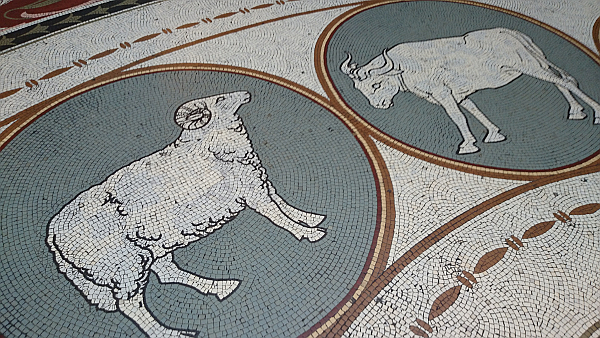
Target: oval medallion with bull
[499, 92]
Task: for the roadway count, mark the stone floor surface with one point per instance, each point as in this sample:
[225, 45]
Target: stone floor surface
[299, 168]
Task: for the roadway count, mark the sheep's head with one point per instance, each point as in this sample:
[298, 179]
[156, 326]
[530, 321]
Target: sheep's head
[218, 111]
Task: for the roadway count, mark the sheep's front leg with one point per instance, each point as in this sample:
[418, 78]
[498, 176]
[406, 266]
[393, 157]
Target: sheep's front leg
[299, 216]
[270, 210]
[446, 100]
[168, 272]
[135, 309]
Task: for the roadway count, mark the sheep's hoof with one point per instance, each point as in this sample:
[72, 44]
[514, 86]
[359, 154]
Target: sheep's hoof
[226, 288]
[315, 235]
[170, 333]
[494, 136]
[577, 114]
[467, 149]
[313, 220]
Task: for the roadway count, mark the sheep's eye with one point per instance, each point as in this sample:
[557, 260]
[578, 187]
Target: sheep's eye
[220, 98]
[376, 85]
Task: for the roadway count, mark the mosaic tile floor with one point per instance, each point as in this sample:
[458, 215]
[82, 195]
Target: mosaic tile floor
[298, 168]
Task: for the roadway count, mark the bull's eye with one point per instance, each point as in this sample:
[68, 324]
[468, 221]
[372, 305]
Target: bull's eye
[376, 85]
[220, 98]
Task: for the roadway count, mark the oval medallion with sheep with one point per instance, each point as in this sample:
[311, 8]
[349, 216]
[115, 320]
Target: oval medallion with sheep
[189, 203]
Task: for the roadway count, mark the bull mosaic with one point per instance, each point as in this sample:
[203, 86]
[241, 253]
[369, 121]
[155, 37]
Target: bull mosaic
[446, 71]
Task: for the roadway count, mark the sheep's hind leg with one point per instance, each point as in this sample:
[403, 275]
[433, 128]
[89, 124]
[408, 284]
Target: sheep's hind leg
[299, 216]
[135, 309]
[493, 134]
[168, 272]
[271, 211]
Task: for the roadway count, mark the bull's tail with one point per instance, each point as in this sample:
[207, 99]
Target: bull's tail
[99, 295]
[538, 54]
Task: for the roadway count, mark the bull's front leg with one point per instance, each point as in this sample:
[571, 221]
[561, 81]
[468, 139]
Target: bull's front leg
[446, 100]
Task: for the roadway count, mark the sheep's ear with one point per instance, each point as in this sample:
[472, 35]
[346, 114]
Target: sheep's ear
[192, 116]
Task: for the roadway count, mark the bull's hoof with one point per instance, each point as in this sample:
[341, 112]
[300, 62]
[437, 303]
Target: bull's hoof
[226, 288]
[576, 113]
[467, 149]
[493, 137]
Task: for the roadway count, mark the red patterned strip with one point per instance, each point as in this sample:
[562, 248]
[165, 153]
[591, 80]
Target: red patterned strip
[538, 229]
[490, 259]
[103, 54]
[586, 209]
[9, 93]
[147, 37]
[226, 15]
[55, 73]
[444, 301]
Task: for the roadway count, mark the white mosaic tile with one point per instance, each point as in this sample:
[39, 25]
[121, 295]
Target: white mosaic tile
[547, 288]
[427, 196]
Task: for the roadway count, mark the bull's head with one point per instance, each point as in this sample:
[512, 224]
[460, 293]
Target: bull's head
[377, 80]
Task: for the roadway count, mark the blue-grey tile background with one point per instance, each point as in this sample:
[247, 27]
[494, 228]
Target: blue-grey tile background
[287, 286]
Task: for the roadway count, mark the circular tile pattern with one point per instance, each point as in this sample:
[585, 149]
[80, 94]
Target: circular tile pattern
[310, 157]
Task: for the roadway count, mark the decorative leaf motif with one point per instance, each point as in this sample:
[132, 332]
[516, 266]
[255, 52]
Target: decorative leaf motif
[262, 6]
[586, 209]
[418, 331]
[55, 73]
[147, 37]
[226, 15]
[444, 301]
[538, 229]
[424, 325]
[103, 54]
[9, 93]
[490, 259]
[188, 25]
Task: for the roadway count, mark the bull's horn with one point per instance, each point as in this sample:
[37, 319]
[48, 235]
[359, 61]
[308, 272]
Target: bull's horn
[348, 68]
[387, 66]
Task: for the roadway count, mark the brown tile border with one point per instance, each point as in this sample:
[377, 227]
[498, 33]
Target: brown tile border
[596, 34]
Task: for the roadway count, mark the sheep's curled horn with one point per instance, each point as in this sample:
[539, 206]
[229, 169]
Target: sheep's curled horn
[191, 116]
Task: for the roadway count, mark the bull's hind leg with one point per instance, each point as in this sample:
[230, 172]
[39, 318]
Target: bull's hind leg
[168, 272]
[493, 134]
[299, 216]
[567, 85]
[135, 309]
[576, 109]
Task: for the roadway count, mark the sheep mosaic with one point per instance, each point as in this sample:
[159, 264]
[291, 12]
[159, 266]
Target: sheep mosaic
[108, 238]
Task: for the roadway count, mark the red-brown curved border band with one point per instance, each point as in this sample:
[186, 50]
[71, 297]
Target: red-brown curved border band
[337, 100]
[596, 34]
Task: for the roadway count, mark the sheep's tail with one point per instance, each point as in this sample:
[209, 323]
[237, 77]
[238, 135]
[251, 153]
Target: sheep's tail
[98, 295]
